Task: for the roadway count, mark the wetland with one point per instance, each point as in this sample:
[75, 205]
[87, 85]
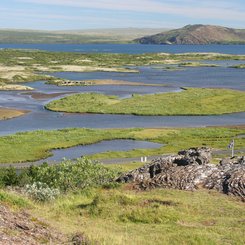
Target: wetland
[213, 93]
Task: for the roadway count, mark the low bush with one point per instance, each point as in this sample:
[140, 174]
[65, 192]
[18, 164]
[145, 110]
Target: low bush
[69, 175]
[41, 192]
[8, 177]
[73, 175]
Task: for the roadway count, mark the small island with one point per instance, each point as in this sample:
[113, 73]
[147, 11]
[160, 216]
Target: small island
[66, 82]
[191, 101]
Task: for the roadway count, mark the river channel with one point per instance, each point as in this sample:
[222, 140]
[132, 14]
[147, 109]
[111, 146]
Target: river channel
[39, 118]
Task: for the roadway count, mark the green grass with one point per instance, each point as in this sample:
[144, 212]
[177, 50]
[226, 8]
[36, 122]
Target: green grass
[13, 200]
[35, 145]
[193, 101]
[124, 216]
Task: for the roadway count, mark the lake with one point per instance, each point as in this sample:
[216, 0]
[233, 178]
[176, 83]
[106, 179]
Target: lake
[130, 48]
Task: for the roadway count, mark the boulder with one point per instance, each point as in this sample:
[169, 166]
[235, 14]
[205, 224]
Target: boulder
[190, 170]
[193, 156]
[196, 155]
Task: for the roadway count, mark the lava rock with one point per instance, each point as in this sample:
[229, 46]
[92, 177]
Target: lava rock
[190, 170]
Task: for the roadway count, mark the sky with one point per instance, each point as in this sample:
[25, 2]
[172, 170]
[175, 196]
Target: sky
[98, 14]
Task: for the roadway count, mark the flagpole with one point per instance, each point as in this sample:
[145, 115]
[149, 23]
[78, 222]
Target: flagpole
[232, 149]
[232, 146]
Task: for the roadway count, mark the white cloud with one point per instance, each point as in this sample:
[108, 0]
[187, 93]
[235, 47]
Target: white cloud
[219, 9]
[44, 20]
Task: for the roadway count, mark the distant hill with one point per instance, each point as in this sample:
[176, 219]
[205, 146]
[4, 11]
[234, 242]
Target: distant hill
[120, 35]
[196, 34]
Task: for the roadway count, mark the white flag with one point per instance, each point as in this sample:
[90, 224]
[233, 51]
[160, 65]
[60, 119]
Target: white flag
[232, 143]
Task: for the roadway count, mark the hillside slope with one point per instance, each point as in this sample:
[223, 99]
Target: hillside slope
[196, 34]
[119, 35]
[18, 227]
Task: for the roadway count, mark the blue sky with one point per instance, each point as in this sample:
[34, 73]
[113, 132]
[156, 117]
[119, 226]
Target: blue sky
[81, 14]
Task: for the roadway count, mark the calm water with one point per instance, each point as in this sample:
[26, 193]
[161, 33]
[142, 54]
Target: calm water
[215, 77]
[130, 48]
[103, 146]
[52, 120]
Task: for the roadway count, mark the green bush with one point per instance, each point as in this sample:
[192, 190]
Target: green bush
[66, 176]
[8, 177]
[72, 175]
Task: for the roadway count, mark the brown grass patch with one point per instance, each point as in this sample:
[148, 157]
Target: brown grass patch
[6, 113]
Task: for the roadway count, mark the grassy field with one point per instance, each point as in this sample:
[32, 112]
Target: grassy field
[193, 101]
[35, 145]
[114, 35]
[124, 216]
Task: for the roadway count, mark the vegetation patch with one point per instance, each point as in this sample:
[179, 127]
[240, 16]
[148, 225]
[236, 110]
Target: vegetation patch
[35, 145]
[13, 200]
[191, 101]
[197, 64]
[121, 216]
[241, 66]
[45, 183]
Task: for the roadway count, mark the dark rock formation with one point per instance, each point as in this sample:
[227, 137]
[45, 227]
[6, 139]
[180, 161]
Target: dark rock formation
[189, 170]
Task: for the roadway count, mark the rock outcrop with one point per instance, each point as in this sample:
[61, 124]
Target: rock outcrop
[190, 170]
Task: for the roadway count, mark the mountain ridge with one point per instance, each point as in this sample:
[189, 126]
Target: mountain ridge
[196, 34]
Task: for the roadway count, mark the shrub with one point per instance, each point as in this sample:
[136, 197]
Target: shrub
[8, 177]
[66, 176]
[73, 175]
[41, 192]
